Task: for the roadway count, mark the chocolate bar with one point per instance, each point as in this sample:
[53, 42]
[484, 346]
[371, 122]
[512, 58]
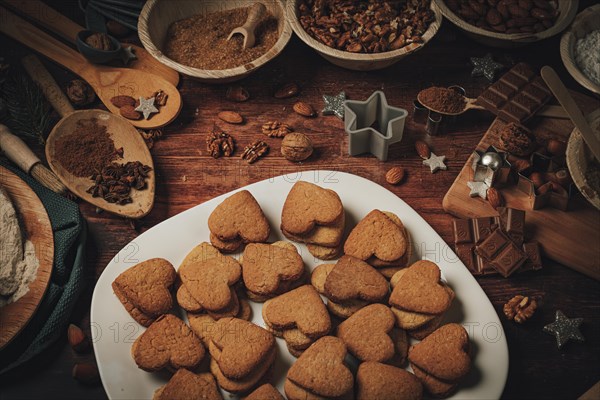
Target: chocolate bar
[501, 252]
[469, 233]
[517, 95]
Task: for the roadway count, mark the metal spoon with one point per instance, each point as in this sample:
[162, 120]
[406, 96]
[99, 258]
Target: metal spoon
[247, 30]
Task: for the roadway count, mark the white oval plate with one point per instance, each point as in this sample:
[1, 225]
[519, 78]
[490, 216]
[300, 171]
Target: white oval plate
[114, 331]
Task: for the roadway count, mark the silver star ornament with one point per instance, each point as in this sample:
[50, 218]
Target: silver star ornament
[147, 107]
[565, 329]
[478, 189]
[485, 66]
[334, 105]
[435, 163]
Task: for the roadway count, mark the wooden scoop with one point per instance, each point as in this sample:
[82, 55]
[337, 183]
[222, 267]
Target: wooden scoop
[247, 30]
[55, 22]
[121, 132]
[106, 81]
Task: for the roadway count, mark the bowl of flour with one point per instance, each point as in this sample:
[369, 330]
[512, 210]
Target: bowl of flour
[580, 48]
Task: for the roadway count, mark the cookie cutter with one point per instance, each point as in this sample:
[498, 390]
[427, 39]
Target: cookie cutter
[373, 125]
[491, 166]
[555, 199]
[435, 123]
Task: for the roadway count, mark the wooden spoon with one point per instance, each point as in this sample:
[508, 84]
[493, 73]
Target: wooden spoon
[564, 98]
[470, 104]
[54, 21]
[247, 30]
[121, 132]
[106, 81]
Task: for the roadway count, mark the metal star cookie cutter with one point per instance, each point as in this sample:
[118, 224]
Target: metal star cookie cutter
[490, 166]
[556, 199]
[372, 125]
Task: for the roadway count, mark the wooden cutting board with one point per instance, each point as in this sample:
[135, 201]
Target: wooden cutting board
[570, 237]
[36, 227]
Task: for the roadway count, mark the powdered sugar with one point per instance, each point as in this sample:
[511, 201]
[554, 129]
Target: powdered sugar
[587, 55]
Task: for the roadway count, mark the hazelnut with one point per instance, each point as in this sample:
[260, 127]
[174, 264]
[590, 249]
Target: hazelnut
[100, 41]
[296, 147]
[80, 93]
[556, 147]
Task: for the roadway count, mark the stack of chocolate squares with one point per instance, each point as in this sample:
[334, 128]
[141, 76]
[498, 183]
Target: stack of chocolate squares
[496, 245]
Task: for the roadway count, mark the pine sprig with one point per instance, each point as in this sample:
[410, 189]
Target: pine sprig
[28, 112]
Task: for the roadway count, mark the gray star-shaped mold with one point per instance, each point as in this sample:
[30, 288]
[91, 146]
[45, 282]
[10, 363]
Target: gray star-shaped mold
[478, 189]
[435, 163]
[334, 105]
[485, 66]
[372, 125]
[127, 55]
[565, 329]
[147, 107]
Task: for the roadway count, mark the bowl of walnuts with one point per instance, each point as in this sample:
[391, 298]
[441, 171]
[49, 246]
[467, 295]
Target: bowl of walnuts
[509, 23]
[364, 35]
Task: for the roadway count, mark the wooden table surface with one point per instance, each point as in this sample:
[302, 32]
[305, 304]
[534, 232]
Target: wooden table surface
[187, 176]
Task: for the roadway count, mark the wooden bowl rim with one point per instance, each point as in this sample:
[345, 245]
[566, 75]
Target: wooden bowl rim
[564, 19]
[567, 44]
[211, 74]
[292, 17]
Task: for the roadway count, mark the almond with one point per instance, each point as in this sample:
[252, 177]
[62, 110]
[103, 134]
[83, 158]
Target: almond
[556, 147]
[120, 101]
[231, 117]
[86, 373]
[304, 109]
[395, 175]
[423, 149]
[495, 198]
[129, 112]
[77, 339]
[286, 91]
[537, 179]
[237, 94]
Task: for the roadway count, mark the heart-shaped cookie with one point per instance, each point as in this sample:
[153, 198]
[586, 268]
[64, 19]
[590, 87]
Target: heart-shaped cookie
[384, 382]
[376, 235]
[168, 342]
[321, 369]
[144, 289]
[240, 216]
[444, 353]
[300, 308]
[264, 267]
[308, 205]
[209, 281]
[265, 392]
[367, 333]
[419, 289]
[239, 346]
[188, 385]
[352, 279]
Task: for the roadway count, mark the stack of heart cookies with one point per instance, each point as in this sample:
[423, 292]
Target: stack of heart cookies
[236, 221]
[419, 298]
[349, 285]
[298, 316]
[315, 216]
[271, 269]
[381, 240]
[242, 354]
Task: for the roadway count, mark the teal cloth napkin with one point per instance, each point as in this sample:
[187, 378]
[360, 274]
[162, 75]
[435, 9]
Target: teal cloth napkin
[66, 283]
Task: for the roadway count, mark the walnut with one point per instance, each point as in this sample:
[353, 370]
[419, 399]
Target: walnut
[520, 308]
[160, 98]
[276, 129]
[255, 151]
[296, 147]
[100, 41]
[219, 144]
[80, 93]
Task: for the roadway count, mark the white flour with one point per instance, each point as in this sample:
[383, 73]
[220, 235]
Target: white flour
[18, 262]
[587, 55]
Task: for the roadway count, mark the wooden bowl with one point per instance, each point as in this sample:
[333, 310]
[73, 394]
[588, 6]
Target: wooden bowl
[586, 21]
[567, 9]
[360, 61]
[578, 159]
[158, 15]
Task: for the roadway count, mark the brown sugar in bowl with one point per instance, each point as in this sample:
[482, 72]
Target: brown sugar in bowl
[158, 15]
[360, 61]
